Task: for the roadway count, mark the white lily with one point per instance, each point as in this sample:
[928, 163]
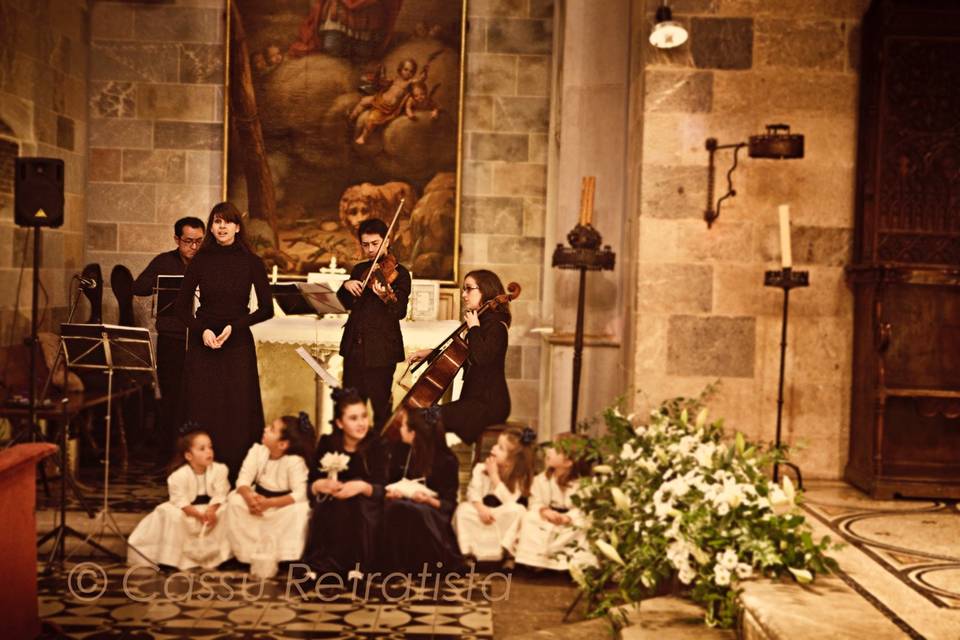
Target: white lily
[802, 575]
[620, 499]
[608, 550]
[721, 576]
[701, 418]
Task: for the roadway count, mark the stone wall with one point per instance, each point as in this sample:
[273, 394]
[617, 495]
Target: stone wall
[156, 125]
[43, 71]
[506, 117]
[702, 312]
[156, 105]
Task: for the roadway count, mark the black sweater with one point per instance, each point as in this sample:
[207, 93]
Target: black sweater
[484, 376]
[444, 475]
[168, 263]
[368, 464]
[224, 275]
[373, 327]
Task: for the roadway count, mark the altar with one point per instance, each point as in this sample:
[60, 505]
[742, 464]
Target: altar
[288, 385]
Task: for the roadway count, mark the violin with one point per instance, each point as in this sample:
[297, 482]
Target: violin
[384, 265]
[384, 271]
[443, 363]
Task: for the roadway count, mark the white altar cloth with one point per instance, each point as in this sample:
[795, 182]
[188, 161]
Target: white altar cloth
[287, 383]
[325, 332]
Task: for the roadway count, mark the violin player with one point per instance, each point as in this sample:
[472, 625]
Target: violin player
[372, 344]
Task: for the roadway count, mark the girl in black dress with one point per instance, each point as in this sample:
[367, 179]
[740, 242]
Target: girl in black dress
[485, 398]
[221, 384]
[417, 530]
[346, 510]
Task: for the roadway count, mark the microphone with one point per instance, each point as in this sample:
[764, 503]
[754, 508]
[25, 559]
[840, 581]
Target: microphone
[86, 283]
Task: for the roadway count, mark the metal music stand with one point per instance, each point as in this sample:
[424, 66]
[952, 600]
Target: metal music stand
[164, 302]
[318, 296]
[109, 348]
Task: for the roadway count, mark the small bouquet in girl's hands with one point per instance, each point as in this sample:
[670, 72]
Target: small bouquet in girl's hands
[333, 463]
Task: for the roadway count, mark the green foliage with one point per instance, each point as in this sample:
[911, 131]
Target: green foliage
[673, 499]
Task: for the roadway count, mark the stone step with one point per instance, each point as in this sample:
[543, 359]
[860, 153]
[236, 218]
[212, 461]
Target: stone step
[827, 608]
[668, 618]
[595, 628]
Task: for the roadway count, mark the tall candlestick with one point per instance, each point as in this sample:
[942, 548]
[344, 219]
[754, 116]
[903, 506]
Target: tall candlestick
[586, 200]
[786, 256]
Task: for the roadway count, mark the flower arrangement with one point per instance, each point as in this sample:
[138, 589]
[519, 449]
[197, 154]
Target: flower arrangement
[671, 499]
[334, 462]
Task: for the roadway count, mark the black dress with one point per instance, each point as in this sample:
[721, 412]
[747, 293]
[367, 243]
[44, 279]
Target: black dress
[342, 533]
[221, 387]
[413, 533]
[372, 344]
[485, 398]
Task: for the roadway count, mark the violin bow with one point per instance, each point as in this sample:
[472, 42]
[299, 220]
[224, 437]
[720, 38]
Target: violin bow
[383, 244]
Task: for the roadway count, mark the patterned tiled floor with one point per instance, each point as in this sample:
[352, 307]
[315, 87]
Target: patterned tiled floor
[916, 541]
[98, 600]
[94, 598]
[900, 557]
[137, 490]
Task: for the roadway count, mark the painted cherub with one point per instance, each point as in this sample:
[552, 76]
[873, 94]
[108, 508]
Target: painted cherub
[421, 100]
[389, 103]
[267, 59]
[386, 104]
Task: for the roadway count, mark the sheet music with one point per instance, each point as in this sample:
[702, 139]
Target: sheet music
[325, 375]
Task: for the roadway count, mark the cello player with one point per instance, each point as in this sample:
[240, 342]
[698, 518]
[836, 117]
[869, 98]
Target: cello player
[485, 398]
[372, 344]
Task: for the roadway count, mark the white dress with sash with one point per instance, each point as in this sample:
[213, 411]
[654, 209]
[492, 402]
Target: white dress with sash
[160, 537]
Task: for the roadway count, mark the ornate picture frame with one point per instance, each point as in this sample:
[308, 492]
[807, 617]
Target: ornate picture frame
[334, 112]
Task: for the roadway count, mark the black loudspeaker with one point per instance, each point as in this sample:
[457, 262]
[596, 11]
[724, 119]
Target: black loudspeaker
[38, 192]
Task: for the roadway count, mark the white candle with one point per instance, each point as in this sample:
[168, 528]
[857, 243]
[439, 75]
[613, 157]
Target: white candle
[275, 274]
[786, 256]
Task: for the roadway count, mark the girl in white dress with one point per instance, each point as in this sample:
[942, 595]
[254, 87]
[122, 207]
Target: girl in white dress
[496, 497]
[198, 487]
[550, 524]
[270, 501]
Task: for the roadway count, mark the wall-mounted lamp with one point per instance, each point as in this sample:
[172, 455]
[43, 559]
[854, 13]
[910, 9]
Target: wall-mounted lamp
[776, 144]
[667, 33]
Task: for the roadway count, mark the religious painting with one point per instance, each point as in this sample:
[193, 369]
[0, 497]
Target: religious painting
[338, 111]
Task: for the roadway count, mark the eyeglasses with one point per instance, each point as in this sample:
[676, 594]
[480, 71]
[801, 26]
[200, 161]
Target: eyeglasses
[467, 288]
[190, 242]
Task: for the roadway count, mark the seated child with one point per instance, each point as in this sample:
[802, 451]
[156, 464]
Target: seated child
[198, 487]
[549, 524]
[496, 497]
[346, 511]
[416, 527]
[270, 500]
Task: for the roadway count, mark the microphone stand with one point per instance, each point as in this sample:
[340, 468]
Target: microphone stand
[62, 531]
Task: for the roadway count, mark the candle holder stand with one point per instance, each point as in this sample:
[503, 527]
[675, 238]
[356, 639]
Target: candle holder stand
[583, 254]
[785, 279]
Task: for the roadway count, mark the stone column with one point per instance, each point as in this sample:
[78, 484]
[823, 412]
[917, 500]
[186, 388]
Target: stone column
[589, 137]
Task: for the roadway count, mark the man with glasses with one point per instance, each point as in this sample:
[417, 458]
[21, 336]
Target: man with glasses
[171, 333]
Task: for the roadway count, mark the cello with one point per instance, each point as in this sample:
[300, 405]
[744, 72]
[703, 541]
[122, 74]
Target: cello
[443, 363]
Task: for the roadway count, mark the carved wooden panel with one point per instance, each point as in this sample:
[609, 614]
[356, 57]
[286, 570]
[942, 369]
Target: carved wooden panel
[905, 403]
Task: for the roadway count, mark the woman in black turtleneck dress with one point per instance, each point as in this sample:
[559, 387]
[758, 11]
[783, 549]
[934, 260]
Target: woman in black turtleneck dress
[221, 384]
[485, 398]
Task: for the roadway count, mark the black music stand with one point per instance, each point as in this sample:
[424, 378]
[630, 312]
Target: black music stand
[298, 298]
[164, 302]
[109, 348]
